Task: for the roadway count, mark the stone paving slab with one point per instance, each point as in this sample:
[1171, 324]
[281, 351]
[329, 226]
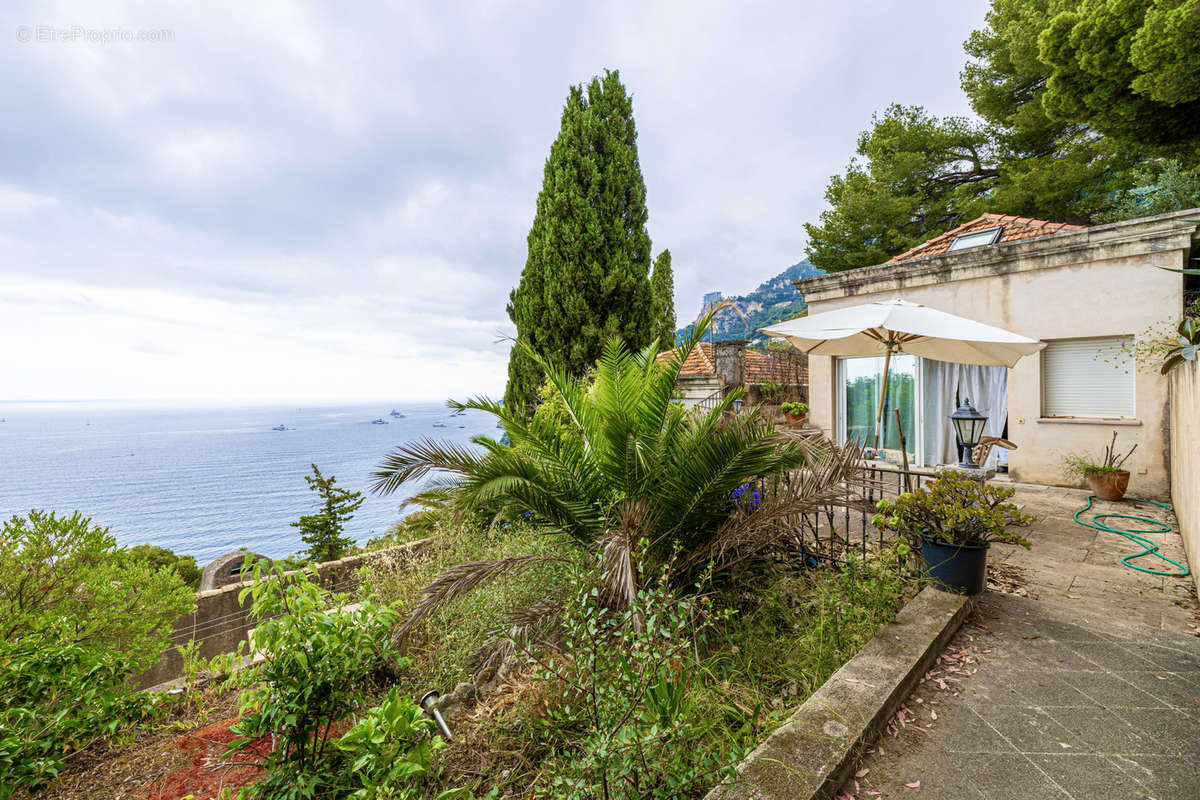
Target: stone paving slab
[1087, 686]
[1040, 704]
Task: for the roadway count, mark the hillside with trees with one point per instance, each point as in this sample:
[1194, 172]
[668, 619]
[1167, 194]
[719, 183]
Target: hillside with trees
[775, 300]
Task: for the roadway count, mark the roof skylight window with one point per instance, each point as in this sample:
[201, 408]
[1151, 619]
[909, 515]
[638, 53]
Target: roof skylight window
[965, 241]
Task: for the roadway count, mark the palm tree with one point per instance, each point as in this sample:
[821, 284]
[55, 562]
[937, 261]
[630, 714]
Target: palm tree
[633, 480]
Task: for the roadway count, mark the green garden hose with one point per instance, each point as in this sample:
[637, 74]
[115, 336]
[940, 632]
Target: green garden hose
[1151, 548]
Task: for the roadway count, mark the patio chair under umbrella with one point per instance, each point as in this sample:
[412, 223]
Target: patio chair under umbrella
[898, 326]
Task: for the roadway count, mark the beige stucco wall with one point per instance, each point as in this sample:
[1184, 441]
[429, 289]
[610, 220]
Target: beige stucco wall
[691, 391]
[1100, 282]
[1185, 458]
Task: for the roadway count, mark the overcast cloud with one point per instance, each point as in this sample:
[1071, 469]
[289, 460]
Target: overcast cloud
[304, 201]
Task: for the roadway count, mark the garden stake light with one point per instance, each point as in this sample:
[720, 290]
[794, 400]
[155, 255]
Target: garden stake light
[429, 704]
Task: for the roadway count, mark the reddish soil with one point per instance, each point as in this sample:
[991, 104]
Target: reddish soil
[207, 773]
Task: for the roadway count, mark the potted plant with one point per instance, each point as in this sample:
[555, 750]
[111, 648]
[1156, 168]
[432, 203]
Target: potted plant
[1103, 476]
[795, 413]
[956, 520]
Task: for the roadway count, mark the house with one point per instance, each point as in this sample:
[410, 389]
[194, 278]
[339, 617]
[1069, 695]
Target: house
[713, 368]
[1089, 293]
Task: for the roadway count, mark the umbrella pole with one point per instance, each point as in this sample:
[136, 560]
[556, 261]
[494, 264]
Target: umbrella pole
[887, 363]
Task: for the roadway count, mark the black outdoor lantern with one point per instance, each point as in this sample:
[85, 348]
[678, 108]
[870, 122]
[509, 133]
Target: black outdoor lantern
[968, 424]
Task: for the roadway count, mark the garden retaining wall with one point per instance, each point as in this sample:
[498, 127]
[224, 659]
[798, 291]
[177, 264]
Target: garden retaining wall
[1185, 458]
[219, 621]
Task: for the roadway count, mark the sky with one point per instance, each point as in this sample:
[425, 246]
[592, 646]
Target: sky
[278, 201]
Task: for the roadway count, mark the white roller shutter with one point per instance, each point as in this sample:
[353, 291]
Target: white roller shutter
[1089, 378]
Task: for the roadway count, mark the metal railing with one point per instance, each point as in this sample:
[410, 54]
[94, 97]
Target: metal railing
[832, 532]
[710, 402]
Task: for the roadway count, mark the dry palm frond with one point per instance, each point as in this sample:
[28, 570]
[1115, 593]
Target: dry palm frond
[618, 573]
[833, 476]
[461, 579]
[535, 626]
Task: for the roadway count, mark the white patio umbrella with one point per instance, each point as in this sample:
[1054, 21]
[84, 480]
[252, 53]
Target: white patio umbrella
[898, 326]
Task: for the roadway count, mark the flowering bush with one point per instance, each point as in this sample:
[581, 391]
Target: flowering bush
[954, 509]
[746, 496]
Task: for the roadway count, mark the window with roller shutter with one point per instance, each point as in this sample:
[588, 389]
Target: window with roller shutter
[1089, 378]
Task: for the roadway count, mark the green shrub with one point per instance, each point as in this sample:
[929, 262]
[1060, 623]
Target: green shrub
[628, 477]
[792, 632]
[321, 661]
[78, 618]
[322, 531]
[389, 749]
[770, 392]
[954, 509]
[156, 557]
[446, 649]
[626, 715]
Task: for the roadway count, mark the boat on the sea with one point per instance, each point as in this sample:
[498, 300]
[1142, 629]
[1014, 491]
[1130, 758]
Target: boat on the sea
[396, 414]
[380, 421]
[439, 424]
[281, 428]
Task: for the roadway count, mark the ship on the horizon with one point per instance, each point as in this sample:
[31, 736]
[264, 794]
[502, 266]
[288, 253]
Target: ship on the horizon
[396, 414]
[380, 421]
[282, 428]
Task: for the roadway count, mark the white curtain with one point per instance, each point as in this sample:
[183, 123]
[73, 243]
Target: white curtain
[945, 385]
[940, 386]
[987, 389]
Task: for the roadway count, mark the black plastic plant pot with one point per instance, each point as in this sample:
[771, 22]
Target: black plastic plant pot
[958, 568]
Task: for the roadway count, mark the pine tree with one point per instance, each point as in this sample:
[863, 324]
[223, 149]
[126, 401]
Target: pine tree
[662, 284]
[322, 531]
[586, 276]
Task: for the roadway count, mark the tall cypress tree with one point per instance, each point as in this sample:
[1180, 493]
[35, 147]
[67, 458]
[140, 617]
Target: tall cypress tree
[662, 285]
[586, 273]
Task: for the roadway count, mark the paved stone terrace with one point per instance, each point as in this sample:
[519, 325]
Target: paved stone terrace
[1088, 686]
[1082, 566]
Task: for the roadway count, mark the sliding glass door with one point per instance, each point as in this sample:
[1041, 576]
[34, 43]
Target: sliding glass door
[926, 392]
[859, 382]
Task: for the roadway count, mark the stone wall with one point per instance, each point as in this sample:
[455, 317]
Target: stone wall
[1185, 458]
[788, 393]
[219, 621]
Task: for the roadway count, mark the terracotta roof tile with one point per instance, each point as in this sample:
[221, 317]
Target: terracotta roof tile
[760, 368]
[1013, 229]
[698, 363]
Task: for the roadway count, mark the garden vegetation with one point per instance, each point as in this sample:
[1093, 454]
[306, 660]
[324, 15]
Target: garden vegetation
[78, 619]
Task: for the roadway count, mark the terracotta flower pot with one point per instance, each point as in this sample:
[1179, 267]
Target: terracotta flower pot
[796, 420]
[1108, 484]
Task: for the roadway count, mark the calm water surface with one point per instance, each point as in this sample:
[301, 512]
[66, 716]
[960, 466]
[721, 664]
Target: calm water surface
[205, 482]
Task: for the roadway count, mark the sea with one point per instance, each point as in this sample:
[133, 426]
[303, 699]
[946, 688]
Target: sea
[208, 481]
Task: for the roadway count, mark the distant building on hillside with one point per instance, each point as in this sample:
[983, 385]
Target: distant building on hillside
[712, 298]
